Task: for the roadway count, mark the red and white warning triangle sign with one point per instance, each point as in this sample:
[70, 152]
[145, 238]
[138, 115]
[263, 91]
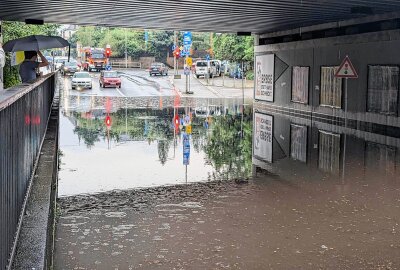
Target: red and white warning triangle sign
[346, 70]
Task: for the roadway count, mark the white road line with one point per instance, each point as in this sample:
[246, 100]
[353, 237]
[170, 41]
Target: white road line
[122, 94]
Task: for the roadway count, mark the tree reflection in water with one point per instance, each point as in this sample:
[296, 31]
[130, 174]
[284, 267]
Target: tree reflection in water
[226, 150]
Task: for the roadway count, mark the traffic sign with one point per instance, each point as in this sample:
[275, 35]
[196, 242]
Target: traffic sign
[189, 129]
[173, 47]
[186, 71]
[187, 38]
[207, 57]
[189, 61]
[346, 70]
[108, 67]
[186, 149]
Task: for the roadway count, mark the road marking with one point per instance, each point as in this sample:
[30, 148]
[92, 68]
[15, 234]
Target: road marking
[120, 92]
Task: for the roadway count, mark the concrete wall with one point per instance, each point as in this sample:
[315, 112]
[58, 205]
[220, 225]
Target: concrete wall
[377, 48]
[354, 155]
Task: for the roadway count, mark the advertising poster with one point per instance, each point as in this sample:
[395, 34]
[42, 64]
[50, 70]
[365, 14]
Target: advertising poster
[263, 134]
[264, 81]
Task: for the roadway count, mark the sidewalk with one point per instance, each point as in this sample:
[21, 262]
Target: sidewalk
[198, 89]
[229, 87]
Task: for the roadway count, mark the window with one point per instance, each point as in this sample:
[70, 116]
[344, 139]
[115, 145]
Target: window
[298, 144]
[329, 152]
[331, 87]
[383, 89]
[300, 84]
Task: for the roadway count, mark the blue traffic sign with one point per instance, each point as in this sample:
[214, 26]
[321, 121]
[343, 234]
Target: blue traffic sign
[108, 67]
[173, 47]
[186, 149]
[207, 57]
[187, 38]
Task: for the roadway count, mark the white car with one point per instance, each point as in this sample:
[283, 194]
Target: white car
[59, 61]
[81, 80]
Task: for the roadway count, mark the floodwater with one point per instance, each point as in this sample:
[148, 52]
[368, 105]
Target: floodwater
[142, 146]
[319, 196]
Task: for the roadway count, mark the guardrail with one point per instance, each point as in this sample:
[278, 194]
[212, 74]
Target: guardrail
[123, 64]
[24, 113]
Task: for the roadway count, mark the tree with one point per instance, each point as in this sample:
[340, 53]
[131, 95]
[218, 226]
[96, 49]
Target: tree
[234, 48]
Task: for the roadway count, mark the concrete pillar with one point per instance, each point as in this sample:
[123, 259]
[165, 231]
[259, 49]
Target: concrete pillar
[2, 61]
[256, 40]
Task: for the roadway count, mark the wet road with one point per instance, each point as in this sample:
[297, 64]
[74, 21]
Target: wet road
[134, 83]
[127, 201]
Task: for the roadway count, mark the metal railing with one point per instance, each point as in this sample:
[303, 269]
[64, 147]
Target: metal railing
[23, 120]
[123, 64]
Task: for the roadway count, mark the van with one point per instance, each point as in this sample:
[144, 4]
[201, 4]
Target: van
[201, 68]
[204, 67]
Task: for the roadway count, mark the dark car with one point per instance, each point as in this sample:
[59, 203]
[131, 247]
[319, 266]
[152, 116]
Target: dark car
[109, 78]
[158, 68]
[69, 68]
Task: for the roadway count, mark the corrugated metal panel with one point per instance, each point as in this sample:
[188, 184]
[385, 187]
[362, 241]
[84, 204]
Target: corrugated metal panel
[257, 16]
[22, 127]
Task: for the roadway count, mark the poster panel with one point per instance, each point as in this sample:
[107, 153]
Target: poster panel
[264, 81]
[263, 134]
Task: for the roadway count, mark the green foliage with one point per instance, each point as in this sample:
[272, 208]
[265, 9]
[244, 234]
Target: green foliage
[14, 30]
[226, 46]
[250, 74]
[234, 48]
[229, 153]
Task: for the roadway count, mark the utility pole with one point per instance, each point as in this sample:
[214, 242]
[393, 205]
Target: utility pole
[126, 49]
[175, 70]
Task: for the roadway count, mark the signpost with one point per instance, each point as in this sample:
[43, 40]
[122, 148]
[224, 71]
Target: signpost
[347, 71]
[186, 152]
[187, 43]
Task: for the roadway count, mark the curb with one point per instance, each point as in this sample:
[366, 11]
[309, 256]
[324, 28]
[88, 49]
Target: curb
[209, 88]
[177, 90]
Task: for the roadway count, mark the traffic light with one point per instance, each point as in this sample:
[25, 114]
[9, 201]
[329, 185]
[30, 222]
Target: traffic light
[108, 121]
[108, 52]
[177, 53]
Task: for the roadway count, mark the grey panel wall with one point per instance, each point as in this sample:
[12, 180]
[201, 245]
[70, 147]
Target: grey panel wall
[379, 48]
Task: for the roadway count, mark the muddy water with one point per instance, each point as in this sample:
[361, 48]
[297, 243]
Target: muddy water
[327, 198]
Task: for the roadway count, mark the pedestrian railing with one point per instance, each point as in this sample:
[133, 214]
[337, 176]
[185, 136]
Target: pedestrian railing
[123, 64]
[24, 113]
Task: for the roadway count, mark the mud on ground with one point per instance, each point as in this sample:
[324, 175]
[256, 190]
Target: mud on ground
[263, 224]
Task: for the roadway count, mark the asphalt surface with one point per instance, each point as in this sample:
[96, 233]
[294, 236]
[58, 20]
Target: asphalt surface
[134, 83]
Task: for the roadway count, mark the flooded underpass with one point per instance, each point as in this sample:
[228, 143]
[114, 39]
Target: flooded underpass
[182, 183]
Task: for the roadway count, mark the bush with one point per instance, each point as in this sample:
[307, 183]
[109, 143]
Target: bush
[250, 75]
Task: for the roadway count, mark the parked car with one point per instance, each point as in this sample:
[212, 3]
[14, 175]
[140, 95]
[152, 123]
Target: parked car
[69, 68]
[158, 68]
[81, 80]
[109, 78]
[59, 61]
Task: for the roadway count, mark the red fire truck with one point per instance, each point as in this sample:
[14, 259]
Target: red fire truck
[93, 59]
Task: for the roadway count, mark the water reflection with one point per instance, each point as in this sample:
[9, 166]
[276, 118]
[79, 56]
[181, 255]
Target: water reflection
[302, 149]
[119, 143]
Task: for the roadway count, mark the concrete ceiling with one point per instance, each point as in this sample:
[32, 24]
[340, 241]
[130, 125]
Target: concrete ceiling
[256, 16]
